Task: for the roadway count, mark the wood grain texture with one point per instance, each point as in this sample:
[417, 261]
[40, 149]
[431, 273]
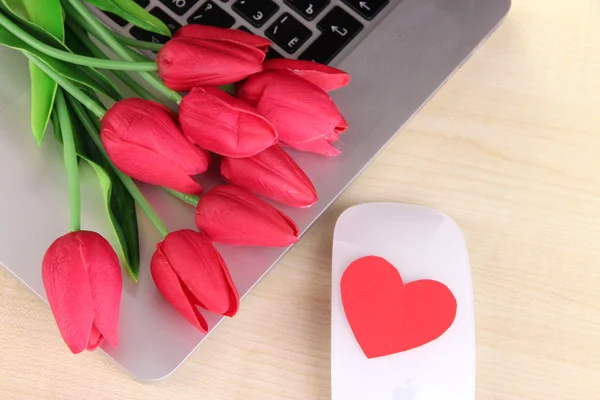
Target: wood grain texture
[510, 148]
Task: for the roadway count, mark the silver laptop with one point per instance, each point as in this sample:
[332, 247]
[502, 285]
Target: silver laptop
[398, 54]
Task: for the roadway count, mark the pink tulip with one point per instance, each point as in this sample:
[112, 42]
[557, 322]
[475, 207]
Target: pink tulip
[189, 272]
[209, 56]
[325, 77]
[273, 174]
[82, 278]
[143, 139]
[218, 122]
[303, 114]
[230, 214]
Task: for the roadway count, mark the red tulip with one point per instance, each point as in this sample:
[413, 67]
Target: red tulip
[303, 114]
[218, 122]
[143, 139]
[229, 214]
[82, 278]
[223, 35]
[209, 56]
[325, 77]
[189, 272]
[273, 174]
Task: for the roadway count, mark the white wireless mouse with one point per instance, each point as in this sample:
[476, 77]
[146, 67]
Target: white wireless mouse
[427, 249]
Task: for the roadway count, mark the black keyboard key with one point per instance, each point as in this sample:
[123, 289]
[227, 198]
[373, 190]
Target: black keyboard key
[211, 14]
[142, 34]
[166, 18]
[368, 9]
[339, 23]
[179, 7]
[309, 9]
[272, 54]
[257, 12]
[288, 33]
[143, 3]
[118, 20]
[338, 28]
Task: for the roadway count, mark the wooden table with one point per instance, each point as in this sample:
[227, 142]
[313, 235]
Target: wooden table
[510, 148]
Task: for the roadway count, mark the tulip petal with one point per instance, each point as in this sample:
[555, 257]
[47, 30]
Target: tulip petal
[299, 110]
[198, 31]
[185, 63]
[273, 174]
[319, 146]
[291, 223]
[144, 141]
[218, 122]
[324, 76]
[174, 290]
[342, 126]
[202, 269]
[66, 283]
[105, 280]
[149, 167]
[95, 340]
[230, 214]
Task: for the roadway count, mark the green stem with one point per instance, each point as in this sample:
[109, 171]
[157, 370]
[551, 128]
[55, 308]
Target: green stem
[75, 20]
[138, 44]
[129, 184]
[69, 86]
[136, 56]
[97, 52]
[90, 21]
[187, 198]
[73, 58]
[70, 155]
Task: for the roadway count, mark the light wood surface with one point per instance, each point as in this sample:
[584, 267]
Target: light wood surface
[510, 148]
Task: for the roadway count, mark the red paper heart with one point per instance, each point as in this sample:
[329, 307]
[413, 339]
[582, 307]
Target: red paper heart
[388, 316]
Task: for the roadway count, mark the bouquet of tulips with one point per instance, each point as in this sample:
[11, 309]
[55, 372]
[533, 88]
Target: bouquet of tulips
[210, 98]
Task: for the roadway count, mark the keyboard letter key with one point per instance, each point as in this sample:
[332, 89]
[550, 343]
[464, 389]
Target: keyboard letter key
[179, 7]
[255, 12]
[307, 8]
[288, 33]
[211, 14]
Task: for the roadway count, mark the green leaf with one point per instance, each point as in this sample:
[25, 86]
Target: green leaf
[43, 92]
[120, 205]
[47, 15]
[130, 11]
[88, 77]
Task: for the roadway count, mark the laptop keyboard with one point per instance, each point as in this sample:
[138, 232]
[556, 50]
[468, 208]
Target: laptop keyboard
[315, 30]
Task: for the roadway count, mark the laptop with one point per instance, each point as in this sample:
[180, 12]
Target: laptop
[398, 53]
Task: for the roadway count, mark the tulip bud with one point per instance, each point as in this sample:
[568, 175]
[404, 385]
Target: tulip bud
[217, 34]
[324, 76]
[82, 279]
[273, 174]
[218, 122]
[303, 114]
[209, 56]
[232, 215]
[189, 272]
[143, 140]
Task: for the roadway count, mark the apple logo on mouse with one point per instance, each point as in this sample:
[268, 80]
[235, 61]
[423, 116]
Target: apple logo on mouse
[406, 392]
